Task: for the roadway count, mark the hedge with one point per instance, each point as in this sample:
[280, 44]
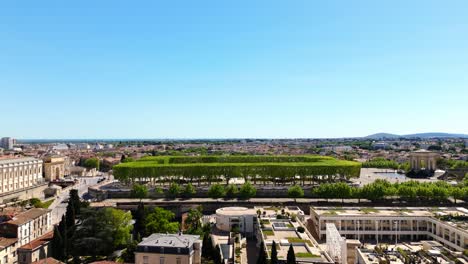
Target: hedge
[252, 168]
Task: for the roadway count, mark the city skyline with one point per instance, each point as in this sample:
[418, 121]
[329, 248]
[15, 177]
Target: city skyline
[232, 70]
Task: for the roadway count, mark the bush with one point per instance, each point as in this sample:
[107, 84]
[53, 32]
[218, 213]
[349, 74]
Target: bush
[301, 229]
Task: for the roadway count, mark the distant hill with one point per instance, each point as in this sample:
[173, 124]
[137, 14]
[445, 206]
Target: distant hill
[417, 135]
[383, 135]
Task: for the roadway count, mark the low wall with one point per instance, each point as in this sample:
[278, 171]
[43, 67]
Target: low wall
[24, 194]
[202, 192]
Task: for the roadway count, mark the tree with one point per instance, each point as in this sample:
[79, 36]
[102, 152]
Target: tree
[70, 215]
[92, 163]
[291, 258]
[440, 193]
[139, 226]
[159, 221]
[189, 191]
[216, 191]
[295, 192]
[119, 223]
[174, 190]
[75, 201]
[193, 221]
[457, 193]
[93, 237]
[356, 193]
[262, 257]
[231, 191]
[274, 254]
[62, 228]
[139, 191]
[407, 192]
[57, 249]
[342, 190]
[207, 247]
[247, 191]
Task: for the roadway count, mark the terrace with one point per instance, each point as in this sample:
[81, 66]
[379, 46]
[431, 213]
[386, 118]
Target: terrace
[285, 232]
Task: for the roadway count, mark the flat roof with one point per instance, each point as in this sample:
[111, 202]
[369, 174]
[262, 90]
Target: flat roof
[169, 240]
[236, 211]
[16, 160]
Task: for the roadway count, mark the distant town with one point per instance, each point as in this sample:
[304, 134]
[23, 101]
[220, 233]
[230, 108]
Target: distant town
[377, 199]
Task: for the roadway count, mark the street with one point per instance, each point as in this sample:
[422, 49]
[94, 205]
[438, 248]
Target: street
[59, 208]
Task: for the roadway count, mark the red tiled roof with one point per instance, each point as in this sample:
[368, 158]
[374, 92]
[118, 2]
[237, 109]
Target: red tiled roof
[6, 242]
[47, 261]
[38, 242]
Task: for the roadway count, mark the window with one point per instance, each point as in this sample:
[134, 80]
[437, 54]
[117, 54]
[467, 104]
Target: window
[179, 261]
[145, 260]
[161, 260]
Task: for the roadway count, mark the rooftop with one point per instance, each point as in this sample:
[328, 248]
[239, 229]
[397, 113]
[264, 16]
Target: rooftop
[236, 211]
[27, 216]
[16, 160]
[169, 240]
[38, 242]
[48, 261]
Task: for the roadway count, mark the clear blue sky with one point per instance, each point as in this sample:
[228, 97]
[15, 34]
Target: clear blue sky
[219, 69]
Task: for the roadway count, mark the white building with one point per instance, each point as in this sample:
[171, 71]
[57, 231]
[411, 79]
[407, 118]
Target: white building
[447, 226]
[7, 143]
[18, 174]
[243, 218]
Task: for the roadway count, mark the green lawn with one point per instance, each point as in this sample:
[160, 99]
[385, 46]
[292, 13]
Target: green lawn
[306, 255]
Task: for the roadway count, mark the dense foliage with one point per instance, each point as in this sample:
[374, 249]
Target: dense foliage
[252, 168]
[381, 163]
[92, 163]
[381, 189]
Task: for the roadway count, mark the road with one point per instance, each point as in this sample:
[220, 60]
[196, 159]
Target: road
[59, 208]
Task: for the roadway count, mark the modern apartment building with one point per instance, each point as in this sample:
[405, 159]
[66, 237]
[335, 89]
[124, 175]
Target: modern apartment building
[449, 226]
[7, 143]
[169, 249]
[20, 173]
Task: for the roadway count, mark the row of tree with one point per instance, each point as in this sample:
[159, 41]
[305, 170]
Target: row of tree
[156, 171]
[383, 163]
[382, 189]
[378, 190]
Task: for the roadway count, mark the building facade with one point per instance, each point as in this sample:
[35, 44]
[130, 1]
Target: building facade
[35, 250]
[23, 229]
[7, 143]
[169, 249]
[242, 218]
[394, 224]
[55, 168]
[18, 174]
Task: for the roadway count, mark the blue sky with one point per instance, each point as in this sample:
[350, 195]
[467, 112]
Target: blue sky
[221, 69]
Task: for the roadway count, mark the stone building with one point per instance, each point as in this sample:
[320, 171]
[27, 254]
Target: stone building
[23, 229]
[423, 160]
[56, 167]
[20, 173]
